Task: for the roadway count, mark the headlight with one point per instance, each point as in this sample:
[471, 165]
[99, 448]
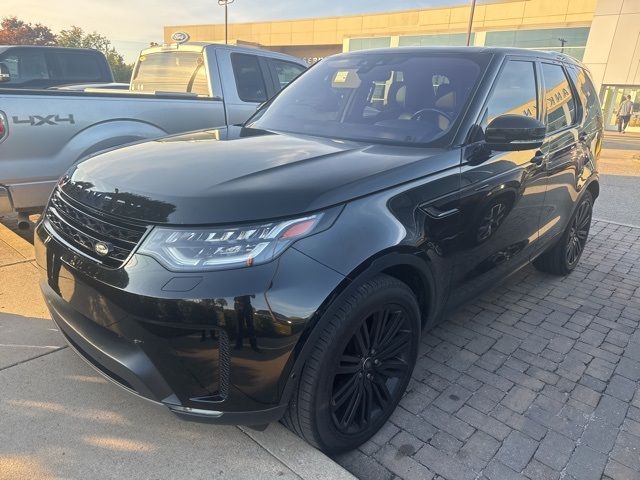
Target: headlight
[195, 249]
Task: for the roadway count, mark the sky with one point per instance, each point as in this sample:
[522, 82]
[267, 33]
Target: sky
[132, 24]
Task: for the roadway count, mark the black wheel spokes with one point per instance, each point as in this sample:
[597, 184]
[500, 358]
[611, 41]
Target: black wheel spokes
[370, 370]
[579, 233]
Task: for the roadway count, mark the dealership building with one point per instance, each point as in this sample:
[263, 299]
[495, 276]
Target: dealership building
[604, 34]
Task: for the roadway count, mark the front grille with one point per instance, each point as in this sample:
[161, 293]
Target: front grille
[83, 228]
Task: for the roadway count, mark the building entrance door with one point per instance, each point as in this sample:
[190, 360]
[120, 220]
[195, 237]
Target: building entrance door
[612, 98]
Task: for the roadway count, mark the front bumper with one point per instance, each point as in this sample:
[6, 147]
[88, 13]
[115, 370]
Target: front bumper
[216, 347]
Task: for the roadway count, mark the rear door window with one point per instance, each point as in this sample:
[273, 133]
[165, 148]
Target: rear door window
[25, 66]
[249, 79]
[285, 71]
[179, 72]
[561, 106]
[76, 66]
[514, 92]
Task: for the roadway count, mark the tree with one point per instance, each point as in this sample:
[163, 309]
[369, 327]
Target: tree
[76, 37]
[17, 32]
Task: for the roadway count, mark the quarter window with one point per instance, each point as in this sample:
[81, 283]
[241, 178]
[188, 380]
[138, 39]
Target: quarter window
[514, 92]
[249, 79]
[561, 106]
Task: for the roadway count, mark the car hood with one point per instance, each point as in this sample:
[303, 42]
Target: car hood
[235, 175]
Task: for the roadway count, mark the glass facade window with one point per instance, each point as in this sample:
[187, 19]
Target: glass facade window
[571, 41]
[444, 39]
[367, 43]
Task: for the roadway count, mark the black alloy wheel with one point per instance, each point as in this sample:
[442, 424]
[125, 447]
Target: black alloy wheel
[359, 367]
[565, 254]
[374, 366]
[578, 233]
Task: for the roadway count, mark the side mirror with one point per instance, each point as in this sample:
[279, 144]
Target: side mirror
[5, 75]
[514, 132]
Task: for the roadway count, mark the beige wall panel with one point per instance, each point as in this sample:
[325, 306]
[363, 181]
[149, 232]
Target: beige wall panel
[280, 39]
[582, 6]
[434, 17]
[260, 28]
[349, 24]
[325, 24]
[634, 70]
[622, 48]
[404, 20]
[631, 6]
[281, 27]
[459, 15]
[542, 8]
[597, 72]
[501, 11]
[584, 19]
[544, 22]
[375, 22]
[600, 39]
[303, 26]
[608, 7]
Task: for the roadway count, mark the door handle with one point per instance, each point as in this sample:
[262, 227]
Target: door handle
[538, 158]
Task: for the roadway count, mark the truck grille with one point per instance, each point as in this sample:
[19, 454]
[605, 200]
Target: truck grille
[83, 229]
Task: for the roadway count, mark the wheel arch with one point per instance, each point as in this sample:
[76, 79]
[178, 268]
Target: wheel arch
[410, 266]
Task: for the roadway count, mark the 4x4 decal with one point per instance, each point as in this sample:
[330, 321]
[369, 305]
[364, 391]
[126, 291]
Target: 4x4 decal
[38, 120]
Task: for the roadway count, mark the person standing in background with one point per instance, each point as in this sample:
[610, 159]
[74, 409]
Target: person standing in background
[624, 114]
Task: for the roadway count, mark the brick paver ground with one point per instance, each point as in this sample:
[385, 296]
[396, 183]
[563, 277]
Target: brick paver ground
[536, 379]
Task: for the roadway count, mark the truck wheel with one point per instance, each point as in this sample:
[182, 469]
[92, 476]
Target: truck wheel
[563, 257]
[359, 368]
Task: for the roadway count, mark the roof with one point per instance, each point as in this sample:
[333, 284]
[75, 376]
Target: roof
[4, 48]
[502, 51]
[200, 46]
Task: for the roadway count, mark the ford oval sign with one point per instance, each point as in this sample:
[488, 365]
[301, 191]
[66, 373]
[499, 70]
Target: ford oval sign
[180, 37]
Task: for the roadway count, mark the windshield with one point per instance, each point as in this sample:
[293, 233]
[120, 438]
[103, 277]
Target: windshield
[406, 98]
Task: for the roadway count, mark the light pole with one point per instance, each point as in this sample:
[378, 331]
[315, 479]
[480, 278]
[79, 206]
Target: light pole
[473, 11]
[225, 4]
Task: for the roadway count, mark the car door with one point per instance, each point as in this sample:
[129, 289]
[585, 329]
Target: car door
[250, 90]
[502, 193]
[565, 148]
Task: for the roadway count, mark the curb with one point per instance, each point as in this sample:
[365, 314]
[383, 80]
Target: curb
[22, 248]
[296, 454]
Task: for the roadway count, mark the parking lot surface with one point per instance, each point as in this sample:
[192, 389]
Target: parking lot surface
[536, 379]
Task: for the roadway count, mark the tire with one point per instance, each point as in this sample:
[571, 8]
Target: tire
[347, 390]
[565, 254]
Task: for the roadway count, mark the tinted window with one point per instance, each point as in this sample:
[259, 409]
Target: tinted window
[78, 66]
[561, 106]
[249, 80]
[180, 72]
[514, 92]
[393, 97]
[586, 92]
[26, 65]
[286, 71]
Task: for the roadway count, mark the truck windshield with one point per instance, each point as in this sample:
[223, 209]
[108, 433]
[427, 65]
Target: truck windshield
[406, 98]
[180, 72]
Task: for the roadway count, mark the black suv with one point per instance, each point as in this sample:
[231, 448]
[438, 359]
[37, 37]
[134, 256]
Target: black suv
[284, 269]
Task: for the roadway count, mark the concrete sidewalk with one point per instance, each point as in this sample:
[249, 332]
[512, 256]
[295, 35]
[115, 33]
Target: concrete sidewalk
[61, 420]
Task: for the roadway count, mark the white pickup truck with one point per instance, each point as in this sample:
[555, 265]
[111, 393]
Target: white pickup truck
[174, 89]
